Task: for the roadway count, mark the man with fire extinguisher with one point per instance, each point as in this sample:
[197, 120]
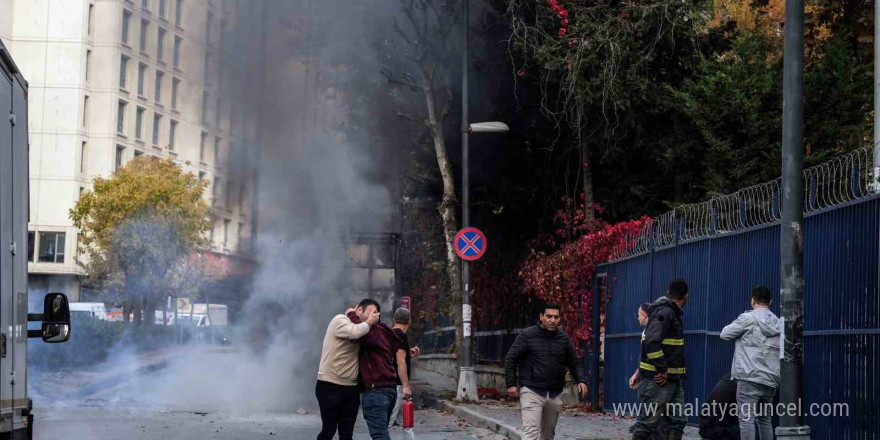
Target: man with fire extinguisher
[402, 318]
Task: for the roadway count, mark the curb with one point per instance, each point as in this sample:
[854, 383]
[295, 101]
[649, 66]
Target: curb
[481, 421]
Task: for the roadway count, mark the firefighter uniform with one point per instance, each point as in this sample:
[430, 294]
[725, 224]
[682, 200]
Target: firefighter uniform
[662, 352]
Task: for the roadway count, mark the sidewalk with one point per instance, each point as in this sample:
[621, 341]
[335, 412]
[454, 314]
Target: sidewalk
[504, 417]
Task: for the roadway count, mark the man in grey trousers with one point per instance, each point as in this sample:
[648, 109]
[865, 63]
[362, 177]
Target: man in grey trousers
[755, 364]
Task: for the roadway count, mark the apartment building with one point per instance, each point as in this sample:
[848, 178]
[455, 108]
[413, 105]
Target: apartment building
[111, 80]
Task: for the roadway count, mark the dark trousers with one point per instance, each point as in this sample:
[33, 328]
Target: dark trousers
[339, 409]
[663, 404]
[378, 404]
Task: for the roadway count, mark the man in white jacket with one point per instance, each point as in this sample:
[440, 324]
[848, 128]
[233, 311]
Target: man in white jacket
[755, 364]
[336, 389]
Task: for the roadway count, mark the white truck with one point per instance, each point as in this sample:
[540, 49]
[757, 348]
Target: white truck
[93, 310]
[16, 420]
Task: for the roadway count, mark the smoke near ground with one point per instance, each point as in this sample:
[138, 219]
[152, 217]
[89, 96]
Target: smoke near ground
[319, 181]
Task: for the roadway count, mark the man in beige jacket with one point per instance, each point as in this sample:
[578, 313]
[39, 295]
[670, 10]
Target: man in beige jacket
[336, 389]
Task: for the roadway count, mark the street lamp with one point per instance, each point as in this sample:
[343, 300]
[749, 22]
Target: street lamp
[467, 380]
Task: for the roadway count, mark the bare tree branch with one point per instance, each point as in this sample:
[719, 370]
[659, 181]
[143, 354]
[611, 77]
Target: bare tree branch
[421, 120]
[405, 80]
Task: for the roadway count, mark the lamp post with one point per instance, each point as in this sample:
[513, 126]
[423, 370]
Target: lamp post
[467, 381]
[791, 388]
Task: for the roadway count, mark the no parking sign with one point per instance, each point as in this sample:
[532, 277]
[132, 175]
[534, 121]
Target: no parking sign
[470, 244]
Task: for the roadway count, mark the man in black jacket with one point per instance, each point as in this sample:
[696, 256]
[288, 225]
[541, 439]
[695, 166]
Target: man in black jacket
[540, 354]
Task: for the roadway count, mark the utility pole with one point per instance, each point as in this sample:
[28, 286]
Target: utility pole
[467, 380]
[791, 390]
[876, 147]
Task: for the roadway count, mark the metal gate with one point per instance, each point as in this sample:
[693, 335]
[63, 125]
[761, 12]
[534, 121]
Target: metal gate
[842, 322]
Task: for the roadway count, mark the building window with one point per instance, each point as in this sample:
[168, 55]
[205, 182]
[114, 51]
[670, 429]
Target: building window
[217, 151]
[208, 24]
[85, 122]
[120, 117]
[177, 43]
[219, 115]
[225, 233]
[145, 29]
[172, 134]
[205, 98]
[230, 191]
[158, 90]
[215, 191]
[126, 21]
[207, 76]
[120, 152]
[157, 121]
[240, 237]
[175, 84]
[178, 13]
[139, 123]
[145, 4]
[201, 176]
[51, 247]
[123, 71]
[162, 8]
[202, 143]
[83, 149]
[142, 73]
[88, 64]
[138, 153]
[160, 45]
[91, 27]
[32, 238]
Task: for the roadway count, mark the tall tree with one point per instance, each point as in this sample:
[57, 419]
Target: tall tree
[138, 227]
[425, 30]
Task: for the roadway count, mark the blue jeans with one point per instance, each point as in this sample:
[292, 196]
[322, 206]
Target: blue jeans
[755, 402]
[378, 403]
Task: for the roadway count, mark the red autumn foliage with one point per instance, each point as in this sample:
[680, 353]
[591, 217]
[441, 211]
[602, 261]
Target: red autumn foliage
[563, 274]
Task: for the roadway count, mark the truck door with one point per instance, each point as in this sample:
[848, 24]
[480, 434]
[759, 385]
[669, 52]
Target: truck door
[17, 339]
[6, 237]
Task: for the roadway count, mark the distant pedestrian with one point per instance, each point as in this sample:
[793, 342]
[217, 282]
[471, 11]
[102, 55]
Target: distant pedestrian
[402, 319]
[642, 314]
[336, 390]
[661, 366]
[540, 354]
[379, 377]
[755, 364]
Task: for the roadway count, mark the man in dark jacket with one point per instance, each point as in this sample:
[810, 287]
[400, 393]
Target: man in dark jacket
[661, 366]
[540, 354]
[721, 423]
[378, 368]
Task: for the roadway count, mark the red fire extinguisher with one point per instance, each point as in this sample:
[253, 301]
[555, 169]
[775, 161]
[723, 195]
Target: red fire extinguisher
[409, 414]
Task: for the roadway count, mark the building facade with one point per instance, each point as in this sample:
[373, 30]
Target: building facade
[111, 80]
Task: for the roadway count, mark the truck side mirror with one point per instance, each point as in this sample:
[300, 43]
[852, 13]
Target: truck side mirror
[56, 318]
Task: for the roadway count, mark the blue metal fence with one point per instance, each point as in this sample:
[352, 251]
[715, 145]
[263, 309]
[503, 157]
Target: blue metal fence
[842, 322]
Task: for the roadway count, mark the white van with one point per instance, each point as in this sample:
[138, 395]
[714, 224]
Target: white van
[93, 310]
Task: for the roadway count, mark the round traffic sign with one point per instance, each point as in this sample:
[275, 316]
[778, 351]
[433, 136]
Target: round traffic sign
[470, 244]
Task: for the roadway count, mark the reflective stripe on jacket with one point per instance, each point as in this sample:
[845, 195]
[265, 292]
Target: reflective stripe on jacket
[663, 341]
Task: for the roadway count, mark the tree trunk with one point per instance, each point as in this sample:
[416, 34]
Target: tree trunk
[589, 211]
[447, 206]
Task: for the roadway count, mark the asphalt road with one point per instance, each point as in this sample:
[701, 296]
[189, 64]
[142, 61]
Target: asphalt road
[94, 423]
